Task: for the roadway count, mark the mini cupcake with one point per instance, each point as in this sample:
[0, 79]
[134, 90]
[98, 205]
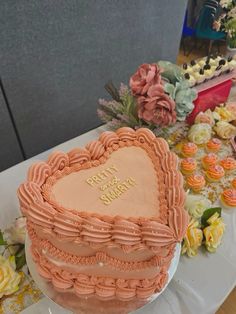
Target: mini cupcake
[212, 61]
[228, 198]
[188, 165]
[208, 72]
[231, 63]
[195, 66]
[199, 76]
[190, 79]
[209, 160]
[189, 149]
[201, 63]
[229, 164]
[196, 182]
[213, 145]
[218, 70]
[215, 173]
[224, 64]
[233, 183]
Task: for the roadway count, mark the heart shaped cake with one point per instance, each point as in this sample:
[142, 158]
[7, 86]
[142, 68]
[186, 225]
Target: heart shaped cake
[104, 220]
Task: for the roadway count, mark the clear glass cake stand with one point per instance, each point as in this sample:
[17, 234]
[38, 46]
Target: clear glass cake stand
[92, 305]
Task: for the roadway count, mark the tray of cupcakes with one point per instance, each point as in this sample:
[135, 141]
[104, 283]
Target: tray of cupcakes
[212, 78]
[207, 70]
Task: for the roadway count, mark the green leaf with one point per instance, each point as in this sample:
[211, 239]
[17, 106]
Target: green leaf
[20, 261]
[208, 213]
[2, 241]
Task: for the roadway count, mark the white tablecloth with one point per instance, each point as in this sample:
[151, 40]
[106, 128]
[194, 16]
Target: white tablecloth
[200, 284]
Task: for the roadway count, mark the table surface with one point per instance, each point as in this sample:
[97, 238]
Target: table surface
[200, 284]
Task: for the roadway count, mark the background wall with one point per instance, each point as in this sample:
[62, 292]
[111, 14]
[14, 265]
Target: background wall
[56, 57]
[10, 152]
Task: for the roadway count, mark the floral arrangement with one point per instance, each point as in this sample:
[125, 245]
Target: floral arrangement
[158, 95]
[221, 121]
[206, 227]
[17, 289]
[227, 21]
[12, 258]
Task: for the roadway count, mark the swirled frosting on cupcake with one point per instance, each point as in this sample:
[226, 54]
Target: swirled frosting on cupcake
[209, 160]
[213, 145]
[196, 182]
[229, 164]
[233, 183]
[188, 165]
[228, 197]
[215, 172]
[189, 149]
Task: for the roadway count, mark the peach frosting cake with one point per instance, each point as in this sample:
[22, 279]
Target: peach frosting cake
[104, 220]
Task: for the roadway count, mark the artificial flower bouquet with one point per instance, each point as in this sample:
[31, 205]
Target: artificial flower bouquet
[227, 21]
[17, 289]
[158, 96]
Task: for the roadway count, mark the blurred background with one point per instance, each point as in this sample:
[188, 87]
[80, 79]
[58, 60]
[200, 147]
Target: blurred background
[56, 56]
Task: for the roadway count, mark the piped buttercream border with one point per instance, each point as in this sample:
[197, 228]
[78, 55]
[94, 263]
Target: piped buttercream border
[153, 232]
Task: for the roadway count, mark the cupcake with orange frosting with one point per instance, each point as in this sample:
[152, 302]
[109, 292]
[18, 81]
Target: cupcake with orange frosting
[229, 164]
[213, 145]
[228, 198]
[189, 149]
[209, 160]
[233, 183]
[196, 182]
[215, 173]
[188, 165]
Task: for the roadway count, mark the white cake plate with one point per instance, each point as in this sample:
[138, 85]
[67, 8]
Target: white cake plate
[91, 305]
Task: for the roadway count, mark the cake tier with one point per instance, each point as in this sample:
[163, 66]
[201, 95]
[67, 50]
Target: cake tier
[128, 221]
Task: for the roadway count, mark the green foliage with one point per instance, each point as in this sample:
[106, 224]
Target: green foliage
[208, 213]
[2, 241]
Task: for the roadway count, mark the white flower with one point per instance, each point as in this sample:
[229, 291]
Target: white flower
[225, 3]
[200, 133]
[16, 233]
[196, 205]
[9, 279]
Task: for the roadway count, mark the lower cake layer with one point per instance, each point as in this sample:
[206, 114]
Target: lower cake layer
[100, 275]
[103, 287]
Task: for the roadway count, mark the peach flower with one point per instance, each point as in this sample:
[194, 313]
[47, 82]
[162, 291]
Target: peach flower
[146, 76]
[231, 107]
[205, 117]
[158, 108]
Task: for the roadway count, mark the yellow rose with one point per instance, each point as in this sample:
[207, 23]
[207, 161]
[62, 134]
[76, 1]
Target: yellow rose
[196, 205]
[214, 232]
[193, 239]
[200, 133]
[9, 279]
[224, 113]
[225, 130]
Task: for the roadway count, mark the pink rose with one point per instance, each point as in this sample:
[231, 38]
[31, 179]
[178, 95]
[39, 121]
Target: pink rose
[146, 76]
[231, 107]
[158, 108]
